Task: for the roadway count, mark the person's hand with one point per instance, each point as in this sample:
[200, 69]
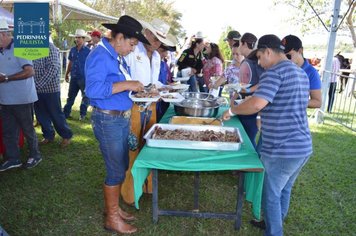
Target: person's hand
[193, 71]
[67, 78]
[2, 77]
[226, 115]
[210, 85]
[135, 86]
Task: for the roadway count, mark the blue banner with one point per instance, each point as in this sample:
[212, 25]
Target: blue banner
[31, 30]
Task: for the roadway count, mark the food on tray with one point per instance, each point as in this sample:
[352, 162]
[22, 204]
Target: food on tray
[206, 135]
[168, 96]
[145, 94]
[150, 92]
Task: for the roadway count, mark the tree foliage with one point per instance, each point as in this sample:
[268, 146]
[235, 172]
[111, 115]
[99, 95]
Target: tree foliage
[302, 14]
[144, 10]
[224, 46]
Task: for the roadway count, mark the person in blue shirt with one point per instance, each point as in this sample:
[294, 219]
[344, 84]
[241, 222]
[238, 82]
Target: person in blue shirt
[165, 77]
[108, 83]
[282, 98]
[294, 52]
[77, 57]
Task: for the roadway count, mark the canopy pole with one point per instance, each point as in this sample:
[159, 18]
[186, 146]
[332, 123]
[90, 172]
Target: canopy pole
[326, 68]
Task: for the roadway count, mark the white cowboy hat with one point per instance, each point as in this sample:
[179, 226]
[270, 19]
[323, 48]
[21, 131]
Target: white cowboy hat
[160, 29]
[81, 33]
[4, 26]
[199, 35]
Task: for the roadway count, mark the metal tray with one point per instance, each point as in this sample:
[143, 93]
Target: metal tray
[190, 120]
[198, 145]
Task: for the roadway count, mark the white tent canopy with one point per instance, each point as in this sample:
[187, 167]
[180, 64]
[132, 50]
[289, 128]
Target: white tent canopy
[70, 9]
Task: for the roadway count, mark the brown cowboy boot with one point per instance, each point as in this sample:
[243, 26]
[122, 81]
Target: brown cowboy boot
[113, 221]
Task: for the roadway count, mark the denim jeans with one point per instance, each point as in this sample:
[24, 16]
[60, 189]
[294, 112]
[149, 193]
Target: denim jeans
[280, 175]
[48, 110]
[112, 133]
[75, 85]
[202, 86]
[250, 126]
[14, 118]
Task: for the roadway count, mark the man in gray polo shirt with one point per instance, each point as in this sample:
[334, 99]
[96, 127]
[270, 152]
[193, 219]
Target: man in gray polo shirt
[17, 95]
[282, 97]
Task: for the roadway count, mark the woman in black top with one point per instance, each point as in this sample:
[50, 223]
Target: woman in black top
[193, 58]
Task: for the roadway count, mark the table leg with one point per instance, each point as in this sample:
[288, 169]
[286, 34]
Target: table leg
[240, 200]
[196, 191]
[155, 195]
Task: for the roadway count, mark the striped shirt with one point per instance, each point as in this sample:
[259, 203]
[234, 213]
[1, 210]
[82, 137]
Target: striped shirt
[47, 72]
[285, 130]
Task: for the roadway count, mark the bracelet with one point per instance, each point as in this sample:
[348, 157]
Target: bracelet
[231, 113]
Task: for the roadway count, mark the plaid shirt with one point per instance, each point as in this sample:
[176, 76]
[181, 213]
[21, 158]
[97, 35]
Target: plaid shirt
[47, 72]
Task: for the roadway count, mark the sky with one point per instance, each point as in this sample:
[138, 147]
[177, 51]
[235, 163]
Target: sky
[256, 16]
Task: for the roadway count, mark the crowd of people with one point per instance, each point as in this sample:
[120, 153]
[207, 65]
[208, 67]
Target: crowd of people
[280, 85]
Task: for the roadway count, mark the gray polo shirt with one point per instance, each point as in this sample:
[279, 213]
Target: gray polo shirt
[20, 91]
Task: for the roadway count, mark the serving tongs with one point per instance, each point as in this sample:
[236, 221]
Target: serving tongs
[210, 122]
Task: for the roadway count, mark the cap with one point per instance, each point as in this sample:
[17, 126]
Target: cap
[95, 33]
[234, 35]
[267, 41]
[291, 42]
[249, 38]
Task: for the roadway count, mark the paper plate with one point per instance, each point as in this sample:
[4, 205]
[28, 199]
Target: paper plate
[182, 79]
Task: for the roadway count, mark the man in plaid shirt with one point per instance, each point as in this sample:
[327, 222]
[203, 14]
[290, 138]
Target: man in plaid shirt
[48, 108]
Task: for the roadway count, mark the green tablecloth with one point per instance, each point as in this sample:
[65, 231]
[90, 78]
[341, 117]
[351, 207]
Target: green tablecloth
[202, 160]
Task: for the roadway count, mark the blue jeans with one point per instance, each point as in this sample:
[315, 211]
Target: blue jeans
[280, 175]
[250, 126]
[201, 83]
[112, 132]
[14, 118]
[48, 110]
[75, 85]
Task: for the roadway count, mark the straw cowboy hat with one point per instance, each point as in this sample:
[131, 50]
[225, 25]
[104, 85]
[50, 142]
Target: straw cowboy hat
[81, 33]
[4, 26]
[129, 27]
[199, 35]
[160, 29]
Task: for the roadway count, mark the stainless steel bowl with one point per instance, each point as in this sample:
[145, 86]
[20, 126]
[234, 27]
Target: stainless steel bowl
[197, 105]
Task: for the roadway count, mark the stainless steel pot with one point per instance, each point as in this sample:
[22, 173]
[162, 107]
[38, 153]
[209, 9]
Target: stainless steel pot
[198, 105]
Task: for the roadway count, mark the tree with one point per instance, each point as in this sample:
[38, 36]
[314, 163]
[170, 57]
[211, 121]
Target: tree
[144, 10]
[302, 13]
[224, 46]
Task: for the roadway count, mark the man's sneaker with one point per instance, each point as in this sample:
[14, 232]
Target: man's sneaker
[32, 162]
[10, 164]
[258, 224]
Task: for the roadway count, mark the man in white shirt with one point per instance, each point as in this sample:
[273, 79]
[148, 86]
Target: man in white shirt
[144, 65]
[145, 61]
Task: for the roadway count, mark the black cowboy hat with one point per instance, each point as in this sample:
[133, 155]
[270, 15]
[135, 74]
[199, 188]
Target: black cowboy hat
[129, 27]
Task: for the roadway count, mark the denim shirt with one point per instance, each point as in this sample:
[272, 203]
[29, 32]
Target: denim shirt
[102, 70]
[78, 61]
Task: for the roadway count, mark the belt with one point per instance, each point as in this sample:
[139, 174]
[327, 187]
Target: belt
[125, 114]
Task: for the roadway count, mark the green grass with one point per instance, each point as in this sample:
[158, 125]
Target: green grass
[63, 196]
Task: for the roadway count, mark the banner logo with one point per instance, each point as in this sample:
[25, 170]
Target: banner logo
[31, 30]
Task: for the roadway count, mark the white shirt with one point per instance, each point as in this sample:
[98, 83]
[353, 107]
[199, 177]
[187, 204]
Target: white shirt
[140, 66]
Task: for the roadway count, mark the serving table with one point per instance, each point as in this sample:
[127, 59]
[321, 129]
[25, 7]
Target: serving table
[246, 160]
